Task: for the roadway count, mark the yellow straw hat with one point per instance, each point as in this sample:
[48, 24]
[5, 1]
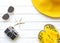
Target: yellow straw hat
[50, 8]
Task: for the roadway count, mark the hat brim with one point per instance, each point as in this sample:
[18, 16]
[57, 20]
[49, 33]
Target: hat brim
[47, 9]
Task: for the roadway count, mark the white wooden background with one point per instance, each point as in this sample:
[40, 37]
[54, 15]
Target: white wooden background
[34, 21]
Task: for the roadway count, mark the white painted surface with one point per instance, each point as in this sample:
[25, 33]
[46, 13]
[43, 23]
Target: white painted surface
[34, 21]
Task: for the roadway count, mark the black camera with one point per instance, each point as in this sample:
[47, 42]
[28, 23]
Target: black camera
[10, 32]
